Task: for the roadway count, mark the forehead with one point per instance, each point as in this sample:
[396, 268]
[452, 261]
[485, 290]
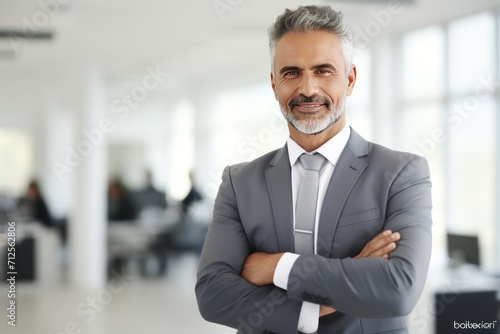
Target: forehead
[305, 49]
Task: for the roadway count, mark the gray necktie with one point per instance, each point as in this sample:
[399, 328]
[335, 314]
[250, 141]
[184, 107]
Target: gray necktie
[305, 212]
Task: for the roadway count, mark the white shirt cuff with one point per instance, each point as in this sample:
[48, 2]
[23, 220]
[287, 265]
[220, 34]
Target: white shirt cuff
[309, 313]
[285, 264]
[309, 318]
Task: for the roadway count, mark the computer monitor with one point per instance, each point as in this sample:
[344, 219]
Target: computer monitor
[463, 249]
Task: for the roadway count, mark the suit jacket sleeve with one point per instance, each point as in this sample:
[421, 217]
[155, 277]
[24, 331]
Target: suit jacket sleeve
[374, 287]
[223, 296]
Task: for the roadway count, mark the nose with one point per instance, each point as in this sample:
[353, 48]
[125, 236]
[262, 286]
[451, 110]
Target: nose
[308, 85]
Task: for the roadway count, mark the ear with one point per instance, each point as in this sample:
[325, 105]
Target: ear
[273, 85]
[351, 79]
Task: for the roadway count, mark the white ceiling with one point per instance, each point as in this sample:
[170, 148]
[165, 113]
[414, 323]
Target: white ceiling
[188, 39]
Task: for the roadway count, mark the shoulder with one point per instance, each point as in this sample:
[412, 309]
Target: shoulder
[248, 175]
[380, 157]
[258, 165]
[397, 165]
[394, 156]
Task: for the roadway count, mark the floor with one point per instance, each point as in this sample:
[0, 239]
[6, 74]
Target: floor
[130, 304]
[133, 304]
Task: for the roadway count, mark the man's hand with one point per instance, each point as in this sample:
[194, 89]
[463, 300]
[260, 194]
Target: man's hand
[380, 246]
[259, 268]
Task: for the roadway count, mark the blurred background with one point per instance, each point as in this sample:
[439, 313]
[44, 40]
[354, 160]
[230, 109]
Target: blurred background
[118, 117]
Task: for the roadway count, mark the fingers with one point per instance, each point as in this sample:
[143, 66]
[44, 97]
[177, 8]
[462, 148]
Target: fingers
[380, 246]
[384, 243]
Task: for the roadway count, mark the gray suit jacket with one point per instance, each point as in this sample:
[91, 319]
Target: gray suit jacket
[372, 189]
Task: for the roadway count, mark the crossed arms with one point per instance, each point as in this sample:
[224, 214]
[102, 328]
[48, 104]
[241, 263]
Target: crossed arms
[259, 268]
[234, 286]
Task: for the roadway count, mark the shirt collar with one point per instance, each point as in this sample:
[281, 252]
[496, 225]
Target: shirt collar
[331, 150]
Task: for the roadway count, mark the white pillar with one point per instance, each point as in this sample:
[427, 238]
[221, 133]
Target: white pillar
[383, 86]
[205, 164]
[88, 224]
[58, 131]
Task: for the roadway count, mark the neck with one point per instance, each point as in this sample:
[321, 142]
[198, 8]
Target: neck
[312, 142]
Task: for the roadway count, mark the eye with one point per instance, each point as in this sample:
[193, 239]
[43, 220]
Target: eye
[324, 71]
[290, 74]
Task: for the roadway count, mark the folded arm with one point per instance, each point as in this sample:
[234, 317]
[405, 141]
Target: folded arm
[371, 284]
[374, 287]
[260, 268]
[225, 297]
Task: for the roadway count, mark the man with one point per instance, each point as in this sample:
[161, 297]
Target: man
[267, 266]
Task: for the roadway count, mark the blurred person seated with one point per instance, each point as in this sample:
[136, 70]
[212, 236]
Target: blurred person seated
[152, 206]
[120, 208]
[149, 201]
[120, 205]
[32, 205]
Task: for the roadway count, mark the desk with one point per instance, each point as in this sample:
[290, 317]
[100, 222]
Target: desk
[447, 289]
[134, 237]
[138, 239]
[47, 258]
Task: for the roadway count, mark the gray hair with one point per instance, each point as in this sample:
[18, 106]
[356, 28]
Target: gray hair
[313, 18]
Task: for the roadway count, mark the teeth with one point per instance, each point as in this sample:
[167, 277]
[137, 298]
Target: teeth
[310, 105]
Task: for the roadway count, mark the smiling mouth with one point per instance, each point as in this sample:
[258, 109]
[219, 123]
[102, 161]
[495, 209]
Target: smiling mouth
[308, 107]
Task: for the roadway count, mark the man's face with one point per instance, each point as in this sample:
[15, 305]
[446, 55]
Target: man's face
[309, 80]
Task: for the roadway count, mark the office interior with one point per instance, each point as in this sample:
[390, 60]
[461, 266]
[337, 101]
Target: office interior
[122, 116]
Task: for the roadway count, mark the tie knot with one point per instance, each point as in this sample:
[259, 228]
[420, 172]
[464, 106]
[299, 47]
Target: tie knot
[312, 161]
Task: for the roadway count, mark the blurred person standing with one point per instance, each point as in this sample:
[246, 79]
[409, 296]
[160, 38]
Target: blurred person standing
[193, 196]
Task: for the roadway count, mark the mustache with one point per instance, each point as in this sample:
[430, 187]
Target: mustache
[309, 99]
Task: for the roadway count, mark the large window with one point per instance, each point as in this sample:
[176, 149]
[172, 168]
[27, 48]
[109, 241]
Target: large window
[244, 123]
[249, 124]
[448, 113]
[16, 155]
[359, 103]
[420, 111]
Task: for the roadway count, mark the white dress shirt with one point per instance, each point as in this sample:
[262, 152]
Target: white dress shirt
[331, 150]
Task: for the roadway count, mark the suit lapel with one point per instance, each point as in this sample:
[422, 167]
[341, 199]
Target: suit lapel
[349, 168]
[279, 185]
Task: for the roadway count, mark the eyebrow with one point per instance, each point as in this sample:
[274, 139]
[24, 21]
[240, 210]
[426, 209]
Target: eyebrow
[315, 67]
[326, 65]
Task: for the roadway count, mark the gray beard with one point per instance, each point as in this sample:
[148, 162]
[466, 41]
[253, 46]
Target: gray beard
[315, 126]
